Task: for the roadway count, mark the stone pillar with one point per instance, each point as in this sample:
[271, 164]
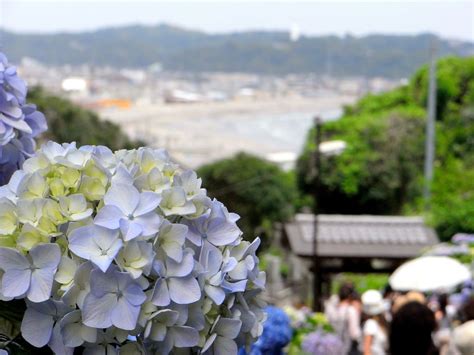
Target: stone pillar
[274, 279]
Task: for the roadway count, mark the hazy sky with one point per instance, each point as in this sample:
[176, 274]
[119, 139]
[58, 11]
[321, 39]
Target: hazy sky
[452, 19]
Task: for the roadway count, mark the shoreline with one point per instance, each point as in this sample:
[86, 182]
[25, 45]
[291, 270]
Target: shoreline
[234, 108]
[200, 133]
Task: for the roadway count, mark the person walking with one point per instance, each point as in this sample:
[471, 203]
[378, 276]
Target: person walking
[462, 339]
[443, 315]
[375, 330]
[411, 330]
[346, 320]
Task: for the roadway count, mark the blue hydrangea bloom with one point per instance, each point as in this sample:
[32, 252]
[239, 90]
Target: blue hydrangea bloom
[276, 334]
[20, 122]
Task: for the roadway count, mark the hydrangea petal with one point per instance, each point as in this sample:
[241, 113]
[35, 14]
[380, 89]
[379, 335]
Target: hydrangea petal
[72, 335]
[157, 331]
[130, 229]
[224, 346]
[228, 327]
[109, 217]
[96, 311]
[222, 232]
[184, 290]
[15, 282]
[174, 250]
[125, 316]
[37, 327]
[11, 259]
[41, 285]
[134, 294]
[71, 329]
[217, 294]
[46, 256]
[150, 223]
[161, 295]
[125, 197]
[103, 282]
[209, 342]
[239, 272]
[184, 337]
[181, 269]
[149, 201]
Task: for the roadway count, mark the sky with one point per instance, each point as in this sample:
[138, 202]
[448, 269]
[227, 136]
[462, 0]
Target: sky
[449, 19]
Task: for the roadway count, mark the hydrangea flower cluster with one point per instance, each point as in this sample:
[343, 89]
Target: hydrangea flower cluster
[276, 334]
[20, 122]
[298, 316]
[321, 343]
[125, 253]
[463, 238]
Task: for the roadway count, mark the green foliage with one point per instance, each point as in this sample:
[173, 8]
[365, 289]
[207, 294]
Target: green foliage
[68, 122]
[377, 173]
[259, 191]
[361, 282]
[376, 103]
[381, 171]
[454, 78]
[453, 199]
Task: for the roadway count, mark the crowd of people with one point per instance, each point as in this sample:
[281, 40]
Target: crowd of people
[395, 323]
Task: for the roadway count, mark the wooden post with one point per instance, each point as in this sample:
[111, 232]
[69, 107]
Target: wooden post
[317, 282]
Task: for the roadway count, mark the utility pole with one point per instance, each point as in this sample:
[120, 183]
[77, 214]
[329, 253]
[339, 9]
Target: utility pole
[430, 129]
[317, 289]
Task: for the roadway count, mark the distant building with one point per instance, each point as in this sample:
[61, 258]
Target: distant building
[181, 96]
[350, 243]
[74, 84]
[294, 33]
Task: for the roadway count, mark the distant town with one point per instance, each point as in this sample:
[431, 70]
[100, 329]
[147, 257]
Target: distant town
[266, 115]
[102, 87]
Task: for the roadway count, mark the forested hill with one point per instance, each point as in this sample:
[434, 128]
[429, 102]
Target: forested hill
[258, 52]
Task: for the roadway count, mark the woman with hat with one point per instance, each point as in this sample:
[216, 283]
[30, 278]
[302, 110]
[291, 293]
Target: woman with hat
[375, 339]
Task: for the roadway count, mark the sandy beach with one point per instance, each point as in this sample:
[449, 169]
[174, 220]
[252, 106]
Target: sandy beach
[242, 107]
[200, 133]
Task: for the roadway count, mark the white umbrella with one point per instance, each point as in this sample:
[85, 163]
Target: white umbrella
[429, 273]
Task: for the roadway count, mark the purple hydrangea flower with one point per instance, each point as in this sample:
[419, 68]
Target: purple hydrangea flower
[320, 343]
[20, 123]
[463, 238]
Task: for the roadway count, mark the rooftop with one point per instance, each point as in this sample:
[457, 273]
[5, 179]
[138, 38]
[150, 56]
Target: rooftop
[363, 236]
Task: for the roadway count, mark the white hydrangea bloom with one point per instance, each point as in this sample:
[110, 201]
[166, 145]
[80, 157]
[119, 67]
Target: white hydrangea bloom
[125, 253]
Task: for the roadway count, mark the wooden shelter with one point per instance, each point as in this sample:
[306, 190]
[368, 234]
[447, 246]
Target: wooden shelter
[356, 243]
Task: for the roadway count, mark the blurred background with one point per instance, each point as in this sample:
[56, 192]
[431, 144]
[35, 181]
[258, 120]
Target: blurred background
[232, 89]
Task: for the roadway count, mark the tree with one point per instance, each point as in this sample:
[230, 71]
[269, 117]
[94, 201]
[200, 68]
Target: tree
[378, 171]
[68, 122]
[381, 171]
[259, 191]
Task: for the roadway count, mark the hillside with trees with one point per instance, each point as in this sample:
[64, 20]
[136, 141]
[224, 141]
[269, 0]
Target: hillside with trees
[381, 171]
[270, 52]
